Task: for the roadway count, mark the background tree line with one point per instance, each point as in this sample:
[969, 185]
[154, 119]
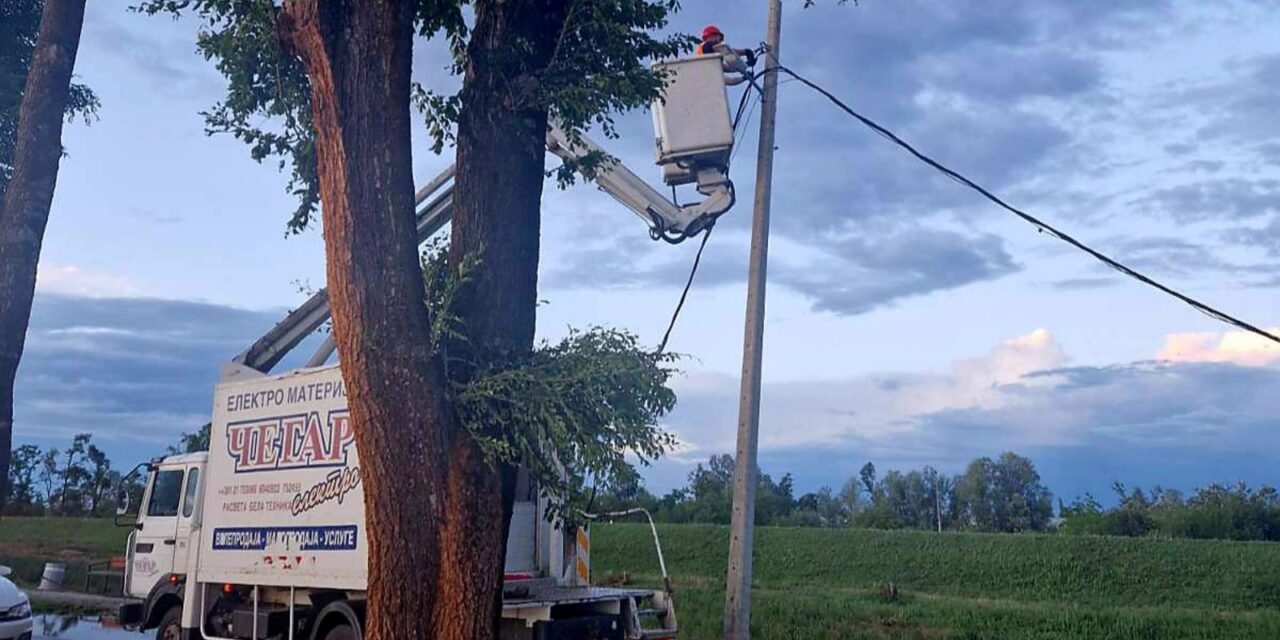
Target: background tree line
[995, 495]
[1219, 511]
[1002, 494]
[75, 481]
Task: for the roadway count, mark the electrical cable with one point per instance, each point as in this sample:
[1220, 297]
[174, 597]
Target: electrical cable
[1040, 225]
[733, 154]
[662, 347]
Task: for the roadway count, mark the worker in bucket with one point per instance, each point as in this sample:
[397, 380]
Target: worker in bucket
[713, 43]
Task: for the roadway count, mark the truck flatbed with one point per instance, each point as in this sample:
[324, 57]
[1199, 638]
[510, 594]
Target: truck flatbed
[541, 595]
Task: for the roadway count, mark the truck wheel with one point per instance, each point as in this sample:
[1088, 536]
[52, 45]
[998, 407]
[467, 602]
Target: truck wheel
[341, 632]
[170, 625]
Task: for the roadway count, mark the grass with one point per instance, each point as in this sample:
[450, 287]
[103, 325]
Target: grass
[814, 583]
[26, 544]
[833, 584]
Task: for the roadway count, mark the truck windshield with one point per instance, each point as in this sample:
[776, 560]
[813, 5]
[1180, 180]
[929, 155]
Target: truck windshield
[165, 494]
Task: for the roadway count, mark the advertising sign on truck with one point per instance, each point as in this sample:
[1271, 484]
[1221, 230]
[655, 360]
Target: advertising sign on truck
[284, 502]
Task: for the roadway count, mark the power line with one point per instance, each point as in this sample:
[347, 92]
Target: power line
[751, 111]
[1040, 225]
[685, 294]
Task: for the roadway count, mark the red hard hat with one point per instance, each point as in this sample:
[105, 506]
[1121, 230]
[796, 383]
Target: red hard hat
[711, 30]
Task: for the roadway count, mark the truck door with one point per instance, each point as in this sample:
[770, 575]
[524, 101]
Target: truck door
[156, 538]
[187, 519]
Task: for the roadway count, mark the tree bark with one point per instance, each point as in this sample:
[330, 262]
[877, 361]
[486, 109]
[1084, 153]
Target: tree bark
[501, 151]
[25, 212]
[358, 55]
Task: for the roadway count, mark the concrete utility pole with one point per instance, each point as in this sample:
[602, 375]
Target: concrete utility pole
[737, 606]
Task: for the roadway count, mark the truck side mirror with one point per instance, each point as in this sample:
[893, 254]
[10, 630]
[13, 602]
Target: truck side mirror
[122, 502]
[123, 499]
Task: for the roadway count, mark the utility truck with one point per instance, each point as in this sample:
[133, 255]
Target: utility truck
[263, 536]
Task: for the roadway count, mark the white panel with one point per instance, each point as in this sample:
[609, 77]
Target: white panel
[283, 503]
[693, 121]
[522, 538]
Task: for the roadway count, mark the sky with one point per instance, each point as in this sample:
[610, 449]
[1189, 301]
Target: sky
[909, 322]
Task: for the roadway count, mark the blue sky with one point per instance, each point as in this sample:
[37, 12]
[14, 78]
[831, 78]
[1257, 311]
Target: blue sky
[909, 323]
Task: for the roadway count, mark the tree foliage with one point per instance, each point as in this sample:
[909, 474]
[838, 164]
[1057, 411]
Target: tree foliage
[599, 68]
[192, 442]
[1218, 511]
[1006, 493]
[75, 481]
[19, 25]
[571, 411]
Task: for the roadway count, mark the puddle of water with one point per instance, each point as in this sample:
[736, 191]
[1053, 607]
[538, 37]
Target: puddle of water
[78, 628]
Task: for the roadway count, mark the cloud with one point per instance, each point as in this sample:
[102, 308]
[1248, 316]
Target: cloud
[872, 412]
[1142, 419]
[1266, 237]
[76, 280]
[1238, 347]
[858, 274]
[135, 372]
[1221, 199]
[979, 87]
[1270, 152]
[1243, 108]
[1080, 284]
[159, 49]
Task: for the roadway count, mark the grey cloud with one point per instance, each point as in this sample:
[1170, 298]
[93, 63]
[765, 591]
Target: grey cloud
[1003, 74]
[840, 179]
[135, 372]
[1194, 406]
[1219, 199]
[849, 276]
[1205, 166]
[1170, 255]
[1180, 425]
[165, 54]
[615, 266]
[1079, 284]
[1243, 109]
[1266, 237]
[1270, 152]
[863, 274]
[966, 83]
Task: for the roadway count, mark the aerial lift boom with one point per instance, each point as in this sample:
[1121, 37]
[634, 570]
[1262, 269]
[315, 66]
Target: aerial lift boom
[694, 138]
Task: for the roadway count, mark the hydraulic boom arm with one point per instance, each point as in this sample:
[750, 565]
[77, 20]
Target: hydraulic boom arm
[434, 202]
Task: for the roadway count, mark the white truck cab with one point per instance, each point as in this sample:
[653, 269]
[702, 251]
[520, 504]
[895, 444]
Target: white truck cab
[161, 537]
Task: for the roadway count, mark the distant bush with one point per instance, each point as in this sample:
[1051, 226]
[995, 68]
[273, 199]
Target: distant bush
[1214, 512]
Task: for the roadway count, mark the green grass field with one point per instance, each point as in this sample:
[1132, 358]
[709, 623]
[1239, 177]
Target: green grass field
[813, 583]
[27, 543]
[831, 584]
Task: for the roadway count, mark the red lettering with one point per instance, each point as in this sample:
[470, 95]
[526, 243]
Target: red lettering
[265, 441]
[313, 441]
[341, 435]
[290, 432]
[238, 445]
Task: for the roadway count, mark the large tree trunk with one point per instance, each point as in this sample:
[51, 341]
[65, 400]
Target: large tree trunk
[497, 205]
[25, 211]
[358, 54]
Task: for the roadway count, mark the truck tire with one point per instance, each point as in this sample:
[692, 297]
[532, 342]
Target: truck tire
[170, 625]
[341, 632]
